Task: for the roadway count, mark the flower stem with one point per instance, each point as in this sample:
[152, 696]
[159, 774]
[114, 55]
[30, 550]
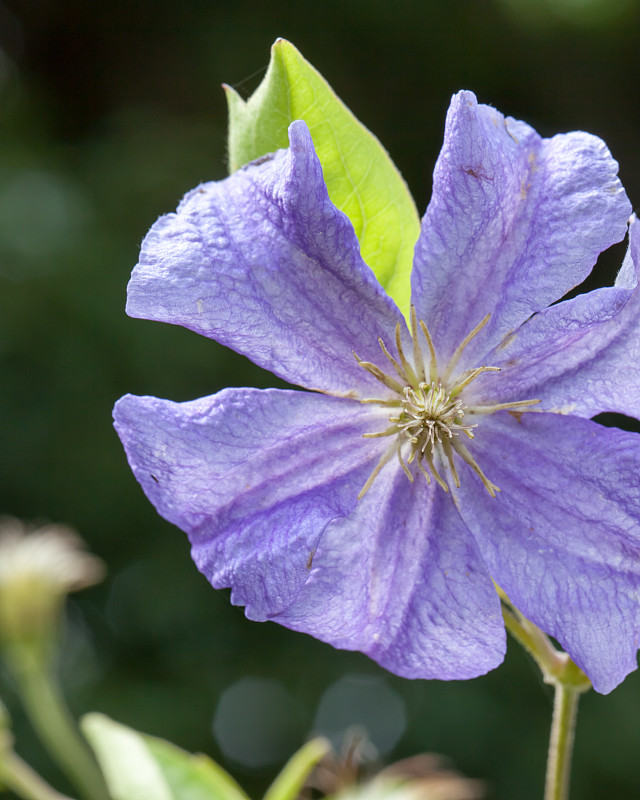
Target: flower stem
[565, 709]
[54, 724]
[569, 682]
[534, 641]
[18, 776]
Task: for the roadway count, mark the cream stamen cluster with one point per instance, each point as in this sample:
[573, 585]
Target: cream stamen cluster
[429, 415]
[430, 411]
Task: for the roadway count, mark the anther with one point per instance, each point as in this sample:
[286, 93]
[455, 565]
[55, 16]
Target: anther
[384, 459]
[460, 348]
[408, 369]
[484, 410]
[434, 471]
[379, 375]
[462, 451]
[401, 374]
[406, 469]
[418, 359]
[449, 454]
[388, 432]
[433, 364]
[467, 378]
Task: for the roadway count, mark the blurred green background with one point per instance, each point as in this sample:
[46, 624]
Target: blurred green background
[109, 111]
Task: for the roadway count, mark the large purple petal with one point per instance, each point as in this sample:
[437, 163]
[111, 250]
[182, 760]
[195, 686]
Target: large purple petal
[264, 263]
[401, 580]
[581, 356]
[253, 477]
[515, 221]
[562, 538]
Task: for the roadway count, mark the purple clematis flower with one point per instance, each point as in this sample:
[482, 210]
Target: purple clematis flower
[433, 455]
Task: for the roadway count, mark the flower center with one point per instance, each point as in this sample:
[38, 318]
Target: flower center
[428, 409]
[429, 415]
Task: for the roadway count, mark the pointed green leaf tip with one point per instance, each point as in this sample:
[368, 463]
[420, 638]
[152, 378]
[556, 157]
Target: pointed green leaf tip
[361, 178]
[289, 784]
[140, 767]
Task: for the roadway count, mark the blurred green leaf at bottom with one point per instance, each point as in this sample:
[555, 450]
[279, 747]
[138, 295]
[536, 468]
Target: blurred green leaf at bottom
[141, 767]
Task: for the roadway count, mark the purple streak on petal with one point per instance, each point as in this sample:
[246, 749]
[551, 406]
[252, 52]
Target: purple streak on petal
[562, 538]
[401, 580]
[515, 221]
[264, 263]
[581, 356]
[253, 477]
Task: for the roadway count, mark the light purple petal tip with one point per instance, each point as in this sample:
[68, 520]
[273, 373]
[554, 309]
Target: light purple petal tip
[580, 356]
[264, 263]
[515, 221]
[562, 537]
[253, 477]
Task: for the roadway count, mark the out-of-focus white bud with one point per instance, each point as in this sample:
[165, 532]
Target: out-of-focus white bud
[423, 777]
[428, 777]
[38, 568]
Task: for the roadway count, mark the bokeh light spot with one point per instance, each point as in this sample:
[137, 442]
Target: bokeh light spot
[258, 722]
[40, 213]
[364, 702]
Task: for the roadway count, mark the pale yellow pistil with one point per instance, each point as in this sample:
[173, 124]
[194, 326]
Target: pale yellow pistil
[430, 411]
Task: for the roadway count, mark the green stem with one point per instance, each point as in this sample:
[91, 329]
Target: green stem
[569, 682]
[534, 641]
[57, 728]
[565, 709]
[18, 776]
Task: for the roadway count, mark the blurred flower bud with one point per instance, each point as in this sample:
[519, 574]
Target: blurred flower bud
[423, 777]
[38, 568]
[439, 784]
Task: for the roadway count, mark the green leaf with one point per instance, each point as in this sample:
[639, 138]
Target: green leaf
[193, 777]
[141, 767]
[131, 771]
[288, 784]
[361, 178]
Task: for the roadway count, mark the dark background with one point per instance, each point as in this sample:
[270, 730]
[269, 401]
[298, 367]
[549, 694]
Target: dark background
[109, 111]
